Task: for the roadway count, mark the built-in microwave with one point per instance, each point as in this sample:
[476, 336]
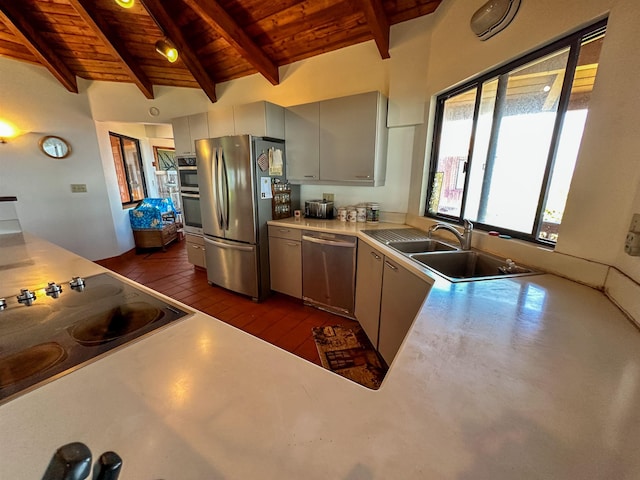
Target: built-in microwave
[188, 173]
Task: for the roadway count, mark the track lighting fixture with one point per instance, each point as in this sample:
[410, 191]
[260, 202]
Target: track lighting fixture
[165, 48]
[125, 3]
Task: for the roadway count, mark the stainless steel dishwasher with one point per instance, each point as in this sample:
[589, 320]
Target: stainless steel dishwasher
[329, 271]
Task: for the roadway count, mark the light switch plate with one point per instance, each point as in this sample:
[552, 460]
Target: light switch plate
[632, 244]
[635, 223]
[78, 188]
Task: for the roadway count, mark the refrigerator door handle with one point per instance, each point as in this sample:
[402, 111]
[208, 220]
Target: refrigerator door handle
[227, 246]
[225, 189]
[216, 187]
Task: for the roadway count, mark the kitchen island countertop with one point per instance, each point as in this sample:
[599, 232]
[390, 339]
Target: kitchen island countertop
[531, 377]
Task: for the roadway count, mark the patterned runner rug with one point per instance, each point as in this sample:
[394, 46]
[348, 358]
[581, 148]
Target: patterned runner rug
[348, 352]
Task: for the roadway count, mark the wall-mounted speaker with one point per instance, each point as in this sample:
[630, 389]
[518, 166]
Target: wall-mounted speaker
[493, 17]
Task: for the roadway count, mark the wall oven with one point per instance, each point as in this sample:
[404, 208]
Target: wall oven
[190, 194]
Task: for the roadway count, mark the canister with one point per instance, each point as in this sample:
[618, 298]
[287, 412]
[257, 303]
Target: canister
[373, 212]
[361, 215]
[352, 215]
[342, 214]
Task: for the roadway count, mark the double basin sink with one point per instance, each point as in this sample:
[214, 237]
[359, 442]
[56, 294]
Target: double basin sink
[454, 264]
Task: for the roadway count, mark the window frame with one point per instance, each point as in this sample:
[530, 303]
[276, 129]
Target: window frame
[121, 138]
[573, 42]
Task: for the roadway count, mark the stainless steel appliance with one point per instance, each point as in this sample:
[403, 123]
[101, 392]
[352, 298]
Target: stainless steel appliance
[190, 194]
[329, 271]
[235, 174]
[318, 209]
[51, 331]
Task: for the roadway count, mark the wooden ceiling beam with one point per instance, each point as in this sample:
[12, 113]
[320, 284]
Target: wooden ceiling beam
[15, 20]
[187, 54]
[378, 24]
[88, 12]
[227, 28]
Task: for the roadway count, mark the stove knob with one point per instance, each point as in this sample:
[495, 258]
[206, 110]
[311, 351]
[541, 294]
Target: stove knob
[53, 290]
[26, 297]
[77, 283]
[3, 304]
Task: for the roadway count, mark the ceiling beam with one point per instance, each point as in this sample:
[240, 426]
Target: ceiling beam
[378, 24]
[88, 12]
[187, 54]
[13, 17]
[227, 28]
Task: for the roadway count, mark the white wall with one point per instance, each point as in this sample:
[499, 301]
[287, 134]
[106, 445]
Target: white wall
[32, 99]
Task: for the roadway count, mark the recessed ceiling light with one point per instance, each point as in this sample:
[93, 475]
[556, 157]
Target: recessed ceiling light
[154, 111]
[546, 88]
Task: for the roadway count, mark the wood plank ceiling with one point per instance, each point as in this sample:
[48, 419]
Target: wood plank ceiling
[218, 40]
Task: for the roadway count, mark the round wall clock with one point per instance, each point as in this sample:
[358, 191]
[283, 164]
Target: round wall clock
[55, 147]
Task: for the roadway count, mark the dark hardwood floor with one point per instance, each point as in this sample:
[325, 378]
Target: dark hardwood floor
[280, 320]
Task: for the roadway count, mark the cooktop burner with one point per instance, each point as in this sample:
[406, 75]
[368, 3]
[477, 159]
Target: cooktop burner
[50, 332]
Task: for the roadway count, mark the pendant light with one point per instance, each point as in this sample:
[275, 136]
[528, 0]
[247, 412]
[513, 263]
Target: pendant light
[125, 3]
[165, 48]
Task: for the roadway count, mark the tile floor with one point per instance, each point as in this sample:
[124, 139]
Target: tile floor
[280, 320]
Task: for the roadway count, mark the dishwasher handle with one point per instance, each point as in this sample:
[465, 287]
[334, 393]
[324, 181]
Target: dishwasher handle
[328, 241]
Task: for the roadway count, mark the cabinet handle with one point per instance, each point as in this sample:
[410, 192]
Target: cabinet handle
[363, 176]
[309, 176]
[293, 244]
[390, 265]
[375, 255]
[284, 230]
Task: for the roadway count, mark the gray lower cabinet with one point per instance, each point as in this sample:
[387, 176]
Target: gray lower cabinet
[388, 299]
[403, 294]
[285, 260]
[195, 250]
[369, 290]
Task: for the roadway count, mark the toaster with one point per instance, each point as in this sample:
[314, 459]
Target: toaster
[318, 209]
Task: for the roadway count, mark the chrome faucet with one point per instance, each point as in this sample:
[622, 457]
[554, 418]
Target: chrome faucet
[464, 238]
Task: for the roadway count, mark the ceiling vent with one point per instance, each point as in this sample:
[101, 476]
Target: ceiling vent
[493, 17]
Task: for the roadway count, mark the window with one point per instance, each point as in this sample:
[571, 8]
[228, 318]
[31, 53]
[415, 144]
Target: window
[128, 163]
[506, 143]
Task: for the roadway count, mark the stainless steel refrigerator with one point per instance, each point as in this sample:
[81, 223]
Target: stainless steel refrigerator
[235, 175]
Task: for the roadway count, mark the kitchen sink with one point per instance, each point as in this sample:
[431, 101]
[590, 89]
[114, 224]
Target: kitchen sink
[421, 246]
[465, 265]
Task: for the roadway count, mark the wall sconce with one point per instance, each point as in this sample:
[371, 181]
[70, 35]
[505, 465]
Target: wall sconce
[165, 48]
[125, 3]
[7, 131]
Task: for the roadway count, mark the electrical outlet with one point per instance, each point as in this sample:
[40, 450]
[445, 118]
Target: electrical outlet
[632, 244]
[78, 188]
[327, 197]
[635, 223]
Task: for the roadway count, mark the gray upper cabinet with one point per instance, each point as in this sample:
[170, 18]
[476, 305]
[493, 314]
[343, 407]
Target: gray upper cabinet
[342, 141]
[302, 135]
[186, 130]
[262, 119]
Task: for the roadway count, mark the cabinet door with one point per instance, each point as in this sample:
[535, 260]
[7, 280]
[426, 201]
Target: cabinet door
[221, 122]
[302, 131]
[285, 265]
[368, 290]
[348, 138]
[402, 296]
[198, 128]
[181, 136]
[195, 254]
[262, 119]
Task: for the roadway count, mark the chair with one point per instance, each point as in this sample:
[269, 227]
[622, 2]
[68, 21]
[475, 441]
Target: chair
[153, 222]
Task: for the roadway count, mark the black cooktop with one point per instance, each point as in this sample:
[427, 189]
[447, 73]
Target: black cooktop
[54, 336]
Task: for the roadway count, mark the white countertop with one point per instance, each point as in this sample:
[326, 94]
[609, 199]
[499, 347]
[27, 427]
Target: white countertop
[535, 377]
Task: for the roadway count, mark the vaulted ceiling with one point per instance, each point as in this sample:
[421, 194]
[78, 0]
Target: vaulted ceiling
[218, 40]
